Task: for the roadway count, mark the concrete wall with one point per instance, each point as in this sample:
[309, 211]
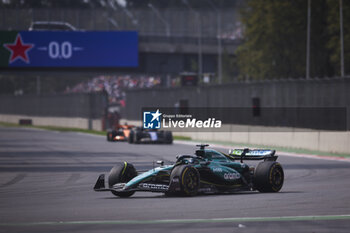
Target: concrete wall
[301, 95]
[315, 140]
[325, 141]
[83, 110]
[85, 105]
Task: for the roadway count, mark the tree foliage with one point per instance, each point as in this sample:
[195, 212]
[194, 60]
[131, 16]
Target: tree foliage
[275, 39]
[334, 35]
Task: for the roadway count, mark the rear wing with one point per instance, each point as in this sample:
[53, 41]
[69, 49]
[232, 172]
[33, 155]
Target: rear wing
[256, 154]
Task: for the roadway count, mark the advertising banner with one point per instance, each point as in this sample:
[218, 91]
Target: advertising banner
[68, 49]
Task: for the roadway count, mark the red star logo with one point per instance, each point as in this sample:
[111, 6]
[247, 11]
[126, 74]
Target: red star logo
[19, 50]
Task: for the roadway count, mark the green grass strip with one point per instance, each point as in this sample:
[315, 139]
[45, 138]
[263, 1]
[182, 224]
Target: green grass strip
[55, 128]
[65, 129]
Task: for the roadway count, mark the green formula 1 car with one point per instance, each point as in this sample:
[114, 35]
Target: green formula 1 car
[207, 171]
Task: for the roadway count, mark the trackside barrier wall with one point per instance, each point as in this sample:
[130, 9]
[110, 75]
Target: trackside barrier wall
[319, 93]
[65, 110]
[272, 94]
[314, 140]
[65, 122]
[86, 110]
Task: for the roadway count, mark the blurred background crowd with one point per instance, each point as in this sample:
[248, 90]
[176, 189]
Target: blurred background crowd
[114, 85]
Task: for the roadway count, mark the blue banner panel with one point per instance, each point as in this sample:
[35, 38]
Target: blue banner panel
[69, 49]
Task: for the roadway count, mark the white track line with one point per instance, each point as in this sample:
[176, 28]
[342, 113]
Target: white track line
[182, 221]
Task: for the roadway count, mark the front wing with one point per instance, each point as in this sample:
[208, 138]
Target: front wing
[120, 187]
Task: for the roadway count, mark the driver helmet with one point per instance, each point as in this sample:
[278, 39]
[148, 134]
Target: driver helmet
[200, 153]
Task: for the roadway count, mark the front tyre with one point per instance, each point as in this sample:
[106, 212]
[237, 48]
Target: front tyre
[188, 179]
[109, 136]
[268, 176]
[121, 173]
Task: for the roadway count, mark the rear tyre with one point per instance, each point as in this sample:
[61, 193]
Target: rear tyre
[168, 137]
[131, 137]
[121, 173]
[188, 179]
[268, 177]
[137, 137]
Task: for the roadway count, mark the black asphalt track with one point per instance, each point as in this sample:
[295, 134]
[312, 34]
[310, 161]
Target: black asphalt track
[46, 181]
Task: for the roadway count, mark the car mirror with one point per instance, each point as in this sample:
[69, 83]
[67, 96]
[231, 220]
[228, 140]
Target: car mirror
[160, 162]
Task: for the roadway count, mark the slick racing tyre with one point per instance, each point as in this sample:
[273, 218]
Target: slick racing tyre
[188, 180]
[121, 173]
[268, 177]
[137, 137]
[168, 137]
[109, 136]
[131, 137]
